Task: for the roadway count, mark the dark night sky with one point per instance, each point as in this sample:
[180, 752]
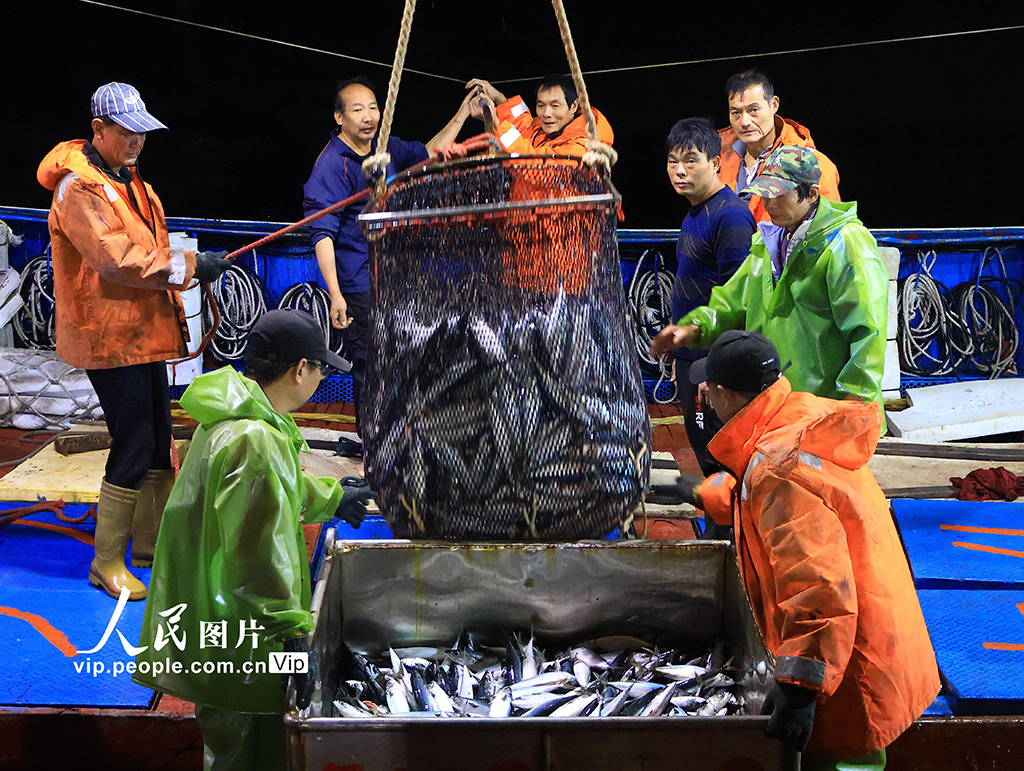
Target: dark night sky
[924, 133]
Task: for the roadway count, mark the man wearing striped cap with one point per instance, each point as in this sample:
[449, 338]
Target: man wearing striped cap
[119, 317]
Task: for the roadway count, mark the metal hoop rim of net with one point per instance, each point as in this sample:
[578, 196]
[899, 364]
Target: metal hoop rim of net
[374, 220]
[433, 166]
[547, 205]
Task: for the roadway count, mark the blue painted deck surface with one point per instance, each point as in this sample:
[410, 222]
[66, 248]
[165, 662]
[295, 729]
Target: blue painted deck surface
[978, 637]
[962, 544]
[968, 565]
[44, 573]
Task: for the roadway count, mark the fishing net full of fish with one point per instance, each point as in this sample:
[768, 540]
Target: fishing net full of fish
[503, 401]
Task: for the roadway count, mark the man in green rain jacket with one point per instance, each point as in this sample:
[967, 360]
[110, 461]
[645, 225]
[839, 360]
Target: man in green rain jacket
[230, 582]
[814, 284]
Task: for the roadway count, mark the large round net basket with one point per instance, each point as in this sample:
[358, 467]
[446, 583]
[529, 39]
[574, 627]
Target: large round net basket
[503, 400]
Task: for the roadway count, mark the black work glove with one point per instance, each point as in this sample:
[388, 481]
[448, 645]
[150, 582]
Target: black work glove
[354, 498]
[210, 266]
[305, 682]
[792, 714]
[689, 489]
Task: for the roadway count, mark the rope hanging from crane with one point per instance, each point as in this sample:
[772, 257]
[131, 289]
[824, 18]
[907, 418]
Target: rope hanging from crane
[599, 155]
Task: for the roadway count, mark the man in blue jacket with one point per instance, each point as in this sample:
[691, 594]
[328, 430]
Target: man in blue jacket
[714, 240]
[340, 248]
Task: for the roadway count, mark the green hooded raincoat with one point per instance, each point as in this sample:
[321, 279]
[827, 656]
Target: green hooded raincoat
[826, 313]
[231, 551]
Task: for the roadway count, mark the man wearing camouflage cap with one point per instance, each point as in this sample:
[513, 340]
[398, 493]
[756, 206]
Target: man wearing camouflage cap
[814, 283]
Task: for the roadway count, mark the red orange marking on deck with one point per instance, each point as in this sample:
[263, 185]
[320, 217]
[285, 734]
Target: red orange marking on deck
[990, 549]
[1003, 646]
[986, 530]
[1006, 646]
[992, 646]
[53, 635]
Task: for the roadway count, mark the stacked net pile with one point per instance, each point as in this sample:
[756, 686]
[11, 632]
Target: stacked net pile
[38, 390]
[503, 399]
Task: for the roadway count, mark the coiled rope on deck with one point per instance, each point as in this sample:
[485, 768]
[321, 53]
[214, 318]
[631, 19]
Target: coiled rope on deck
[34, 324]
[967, 330]
[242, 301]
[647, 301]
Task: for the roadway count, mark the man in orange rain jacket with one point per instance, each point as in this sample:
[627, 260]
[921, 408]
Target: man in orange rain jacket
[558, 129]
[755, 130]
[119, 317]
[820, 558]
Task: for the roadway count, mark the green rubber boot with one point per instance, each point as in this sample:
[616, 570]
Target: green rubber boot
[114, 515]
[149, 510]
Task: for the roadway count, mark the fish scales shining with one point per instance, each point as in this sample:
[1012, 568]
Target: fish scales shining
[491, 412]
[433, 681]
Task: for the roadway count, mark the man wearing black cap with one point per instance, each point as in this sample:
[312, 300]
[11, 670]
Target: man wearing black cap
[119, 317]
[231, 576]
[820, 559]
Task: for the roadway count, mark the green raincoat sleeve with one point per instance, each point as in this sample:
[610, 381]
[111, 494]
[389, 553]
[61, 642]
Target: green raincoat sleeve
[321, 497]
[727, 308]
[857, 283]
[264, 554]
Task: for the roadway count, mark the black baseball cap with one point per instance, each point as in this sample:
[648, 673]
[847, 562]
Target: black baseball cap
[739, 360]
[287, 336]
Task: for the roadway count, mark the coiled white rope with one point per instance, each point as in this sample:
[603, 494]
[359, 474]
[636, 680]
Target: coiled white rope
[242, 300]
[970, 329]
[988, 319]
[925, 321]
[34, 325]
[648, 301]
[313, 299]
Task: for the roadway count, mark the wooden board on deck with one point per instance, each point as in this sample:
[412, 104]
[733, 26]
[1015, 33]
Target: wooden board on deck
[76, 478]
[667, 477]
[50, 475]
[893, 471]
[960, 410]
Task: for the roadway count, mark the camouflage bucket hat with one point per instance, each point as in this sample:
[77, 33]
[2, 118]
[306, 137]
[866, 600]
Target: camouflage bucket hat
[784, 169]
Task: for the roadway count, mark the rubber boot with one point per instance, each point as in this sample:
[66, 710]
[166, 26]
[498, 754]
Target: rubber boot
[149, 510]
[114, 515]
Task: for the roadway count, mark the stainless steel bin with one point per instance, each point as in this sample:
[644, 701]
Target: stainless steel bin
[401, 593]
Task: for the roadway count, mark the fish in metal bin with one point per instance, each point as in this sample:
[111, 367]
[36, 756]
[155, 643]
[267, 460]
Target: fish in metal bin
[519, 680]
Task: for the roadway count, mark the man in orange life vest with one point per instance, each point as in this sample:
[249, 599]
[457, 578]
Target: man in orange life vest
[755, 130]
[119, 317]
[559, 127]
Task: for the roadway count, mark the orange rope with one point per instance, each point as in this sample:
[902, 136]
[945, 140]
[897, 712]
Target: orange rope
[13, 515]
[453, 150]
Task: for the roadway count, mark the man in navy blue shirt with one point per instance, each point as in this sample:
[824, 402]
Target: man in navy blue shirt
[713, 241]
[340, 248]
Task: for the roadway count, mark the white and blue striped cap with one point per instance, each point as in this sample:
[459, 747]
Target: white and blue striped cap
[123, 104]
